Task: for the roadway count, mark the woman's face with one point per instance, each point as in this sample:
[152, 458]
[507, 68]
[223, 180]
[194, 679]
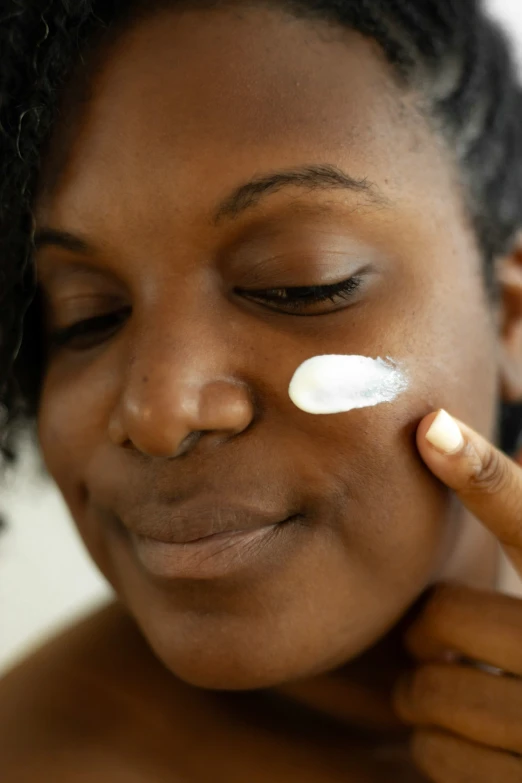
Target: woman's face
[181, 396]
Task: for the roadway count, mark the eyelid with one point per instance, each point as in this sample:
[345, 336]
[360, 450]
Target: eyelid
[87, 327]
[316, 276]
[91, 304]
[63, 274]
[305, 298]
[277, 271]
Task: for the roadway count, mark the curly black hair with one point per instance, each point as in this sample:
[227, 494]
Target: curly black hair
[455, 58]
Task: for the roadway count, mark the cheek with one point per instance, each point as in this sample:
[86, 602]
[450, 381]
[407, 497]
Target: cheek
[455, 362]
[67, 428]
[397, 519]
[71, 426]
[436, 321]
[391, 508]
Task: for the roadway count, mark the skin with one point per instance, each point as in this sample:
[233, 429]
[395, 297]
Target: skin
[466, 718]
[189, 394]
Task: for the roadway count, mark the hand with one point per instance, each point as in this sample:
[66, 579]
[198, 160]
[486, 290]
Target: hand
[467, 719]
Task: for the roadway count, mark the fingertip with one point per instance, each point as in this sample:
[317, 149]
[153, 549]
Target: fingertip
[484, 478]
[425, 425]
[440, 434]
[441, 442]
[444, 434]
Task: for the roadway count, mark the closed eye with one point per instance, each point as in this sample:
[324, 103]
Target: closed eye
[84, 334]
[301, 300]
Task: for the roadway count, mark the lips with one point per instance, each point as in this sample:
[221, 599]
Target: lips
[182, 524]
[194, 541]
[212, 557]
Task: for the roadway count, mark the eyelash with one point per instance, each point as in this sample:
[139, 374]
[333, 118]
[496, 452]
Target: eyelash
[292, 299]
[307, 295]
[87, 327]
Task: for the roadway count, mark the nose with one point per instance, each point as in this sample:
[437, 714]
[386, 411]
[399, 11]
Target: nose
[174, 395]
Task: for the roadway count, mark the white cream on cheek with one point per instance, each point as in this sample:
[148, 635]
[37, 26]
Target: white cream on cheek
[338, 383]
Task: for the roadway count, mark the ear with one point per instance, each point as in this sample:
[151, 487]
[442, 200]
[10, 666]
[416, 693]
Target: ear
[509, 285]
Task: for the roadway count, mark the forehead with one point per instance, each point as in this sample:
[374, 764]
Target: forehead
[187, 104]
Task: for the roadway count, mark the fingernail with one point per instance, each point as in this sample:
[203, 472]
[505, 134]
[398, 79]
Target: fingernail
[445, 434]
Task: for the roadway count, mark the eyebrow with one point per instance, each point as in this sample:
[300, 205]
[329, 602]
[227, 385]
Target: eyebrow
[312, 177]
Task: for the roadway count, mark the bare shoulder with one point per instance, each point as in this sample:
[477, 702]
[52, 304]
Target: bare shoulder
[83, 706]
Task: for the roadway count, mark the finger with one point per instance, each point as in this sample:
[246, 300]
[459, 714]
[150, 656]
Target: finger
[445, 758]
[467, 702]
[480, 625]
[487, 482]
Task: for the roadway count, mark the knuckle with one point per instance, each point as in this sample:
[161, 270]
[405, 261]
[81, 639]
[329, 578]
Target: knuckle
[433, 752]
[426, 686]
[446, 606]
[429, 744]
[444, 597]
[445, 757]
[492, 475]
[516, 763]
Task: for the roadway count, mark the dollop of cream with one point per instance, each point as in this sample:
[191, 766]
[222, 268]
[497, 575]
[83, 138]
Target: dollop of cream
[336, 383]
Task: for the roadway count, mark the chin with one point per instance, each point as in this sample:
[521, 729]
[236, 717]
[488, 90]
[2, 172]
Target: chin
[228, 677]
[233, 657]
[226, 669]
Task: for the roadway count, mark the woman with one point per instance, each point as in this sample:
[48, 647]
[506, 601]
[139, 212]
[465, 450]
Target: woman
[215, 193]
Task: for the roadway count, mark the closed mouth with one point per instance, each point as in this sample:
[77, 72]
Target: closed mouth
[190, 523]
[212, 556]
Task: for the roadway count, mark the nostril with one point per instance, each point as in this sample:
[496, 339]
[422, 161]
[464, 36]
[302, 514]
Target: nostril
[188, 444]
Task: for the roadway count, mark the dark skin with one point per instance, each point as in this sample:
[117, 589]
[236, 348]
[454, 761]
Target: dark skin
[187, 394]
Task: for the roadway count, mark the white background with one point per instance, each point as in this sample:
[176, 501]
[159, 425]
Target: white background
[46, 577]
